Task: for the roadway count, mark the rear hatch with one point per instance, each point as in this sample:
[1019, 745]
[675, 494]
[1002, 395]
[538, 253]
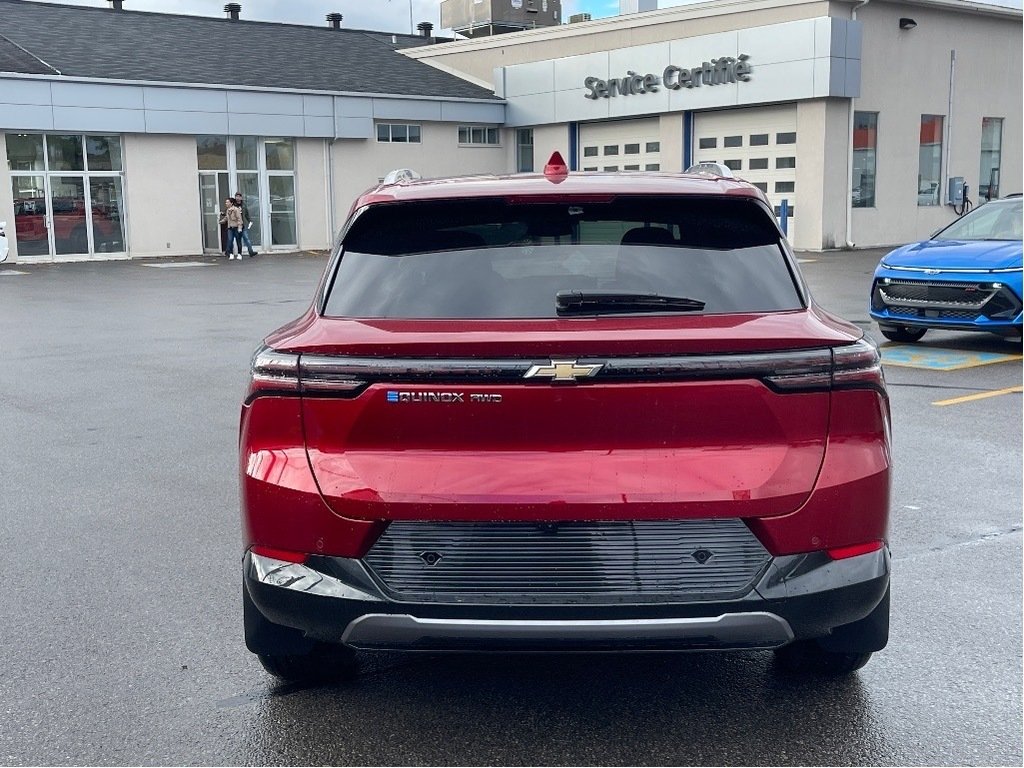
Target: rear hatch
[615, 359]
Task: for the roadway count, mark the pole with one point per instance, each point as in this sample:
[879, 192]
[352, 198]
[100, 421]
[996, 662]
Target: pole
[412, 28]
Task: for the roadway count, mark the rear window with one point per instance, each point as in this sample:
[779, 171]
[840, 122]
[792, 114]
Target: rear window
[498, 258]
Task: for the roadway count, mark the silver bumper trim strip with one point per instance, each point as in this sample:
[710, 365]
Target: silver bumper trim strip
[402, 631]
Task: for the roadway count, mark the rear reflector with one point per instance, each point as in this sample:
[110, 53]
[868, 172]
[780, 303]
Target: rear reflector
[280, 554]
[841, 553]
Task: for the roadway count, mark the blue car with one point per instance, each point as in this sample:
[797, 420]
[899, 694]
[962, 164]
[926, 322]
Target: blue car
[967, 277]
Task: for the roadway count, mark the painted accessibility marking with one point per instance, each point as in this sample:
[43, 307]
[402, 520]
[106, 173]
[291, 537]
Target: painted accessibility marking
[937, 359]
[979, 396]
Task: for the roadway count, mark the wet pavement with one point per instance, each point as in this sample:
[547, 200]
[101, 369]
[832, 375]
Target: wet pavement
[120, 615]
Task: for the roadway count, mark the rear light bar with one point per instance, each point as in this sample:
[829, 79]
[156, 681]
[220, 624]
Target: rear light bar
[857, 365]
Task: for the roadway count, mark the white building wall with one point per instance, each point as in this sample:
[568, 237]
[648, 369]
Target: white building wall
[360, 164]
[822, 126]
[162, 195]
[906, 75]
[311, 196]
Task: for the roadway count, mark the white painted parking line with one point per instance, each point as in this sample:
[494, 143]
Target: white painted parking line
[9, 272]
[177, 264]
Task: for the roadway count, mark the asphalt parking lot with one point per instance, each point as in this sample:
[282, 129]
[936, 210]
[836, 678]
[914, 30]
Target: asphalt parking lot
[121, 617]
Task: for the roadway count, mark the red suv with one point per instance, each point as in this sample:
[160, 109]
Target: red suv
[565, 412]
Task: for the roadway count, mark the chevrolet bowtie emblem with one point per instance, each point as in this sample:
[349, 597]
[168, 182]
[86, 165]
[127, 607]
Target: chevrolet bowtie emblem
[562, 370]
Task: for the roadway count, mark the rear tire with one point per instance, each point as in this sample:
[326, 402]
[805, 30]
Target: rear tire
[288, 654]
[326, 663]
[807, 657]
[846, 650]
[902, 333]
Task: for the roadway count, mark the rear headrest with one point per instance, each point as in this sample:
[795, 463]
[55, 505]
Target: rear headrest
[648, 236]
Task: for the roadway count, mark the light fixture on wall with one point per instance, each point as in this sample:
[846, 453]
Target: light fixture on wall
[907, 23]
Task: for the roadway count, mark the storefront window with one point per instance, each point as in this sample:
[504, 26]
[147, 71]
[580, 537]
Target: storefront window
[68, 194]
[25, 152]
[65, 153]
[212, 152]
[865, 147]
[247, 150]
[929, 172]
[991, 149]
[280, 155]
[282, 210]
[103, 153]
[524, 150]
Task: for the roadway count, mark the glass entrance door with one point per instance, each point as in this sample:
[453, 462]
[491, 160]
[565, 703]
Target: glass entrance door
[213, 191]
[69, 218]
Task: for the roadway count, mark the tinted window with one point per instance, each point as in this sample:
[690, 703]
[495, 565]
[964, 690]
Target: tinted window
[489, 258]
[758, 163]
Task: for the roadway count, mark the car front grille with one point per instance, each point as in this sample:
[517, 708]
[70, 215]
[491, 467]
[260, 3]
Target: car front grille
[917, 293]
[947, 300]
[559, 563]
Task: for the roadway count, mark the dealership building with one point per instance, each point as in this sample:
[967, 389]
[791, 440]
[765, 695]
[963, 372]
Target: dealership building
[123, 131]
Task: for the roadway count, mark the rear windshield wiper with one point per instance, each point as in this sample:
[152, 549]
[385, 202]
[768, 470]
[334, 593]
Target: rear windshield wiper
[607, 302]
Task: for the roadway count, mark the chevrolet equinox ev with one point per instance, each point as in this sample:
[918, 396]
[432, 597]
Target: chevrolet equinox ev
[564, 412]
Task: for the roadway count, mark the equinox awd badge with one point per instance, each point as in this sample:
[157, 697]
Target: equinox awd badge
[397, 396]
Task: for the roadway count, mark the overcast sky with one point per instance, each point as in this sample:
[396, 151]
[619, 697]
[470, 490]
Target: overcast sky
[386, 15]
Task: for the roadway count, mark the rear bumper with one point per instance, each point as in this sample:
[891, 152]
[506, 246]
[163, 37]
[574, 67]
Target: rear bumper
[797, 597]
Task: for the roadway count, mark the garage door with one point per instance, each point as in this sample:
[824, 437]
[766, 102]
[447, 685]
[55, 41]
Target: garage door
[759, 145]
[622, 145]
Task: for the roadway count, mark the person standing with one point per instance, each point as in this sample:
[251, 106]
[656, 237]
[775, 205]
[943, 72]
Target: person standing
[246, 223]
[233, 218]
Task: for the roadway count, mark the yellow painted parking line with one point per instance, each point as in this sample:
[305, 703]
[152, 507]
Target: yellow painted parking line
[979, 396]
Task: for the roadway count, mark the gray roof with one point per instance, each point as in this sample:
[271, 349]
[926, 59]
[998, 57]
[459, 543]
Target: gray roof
[130, 45]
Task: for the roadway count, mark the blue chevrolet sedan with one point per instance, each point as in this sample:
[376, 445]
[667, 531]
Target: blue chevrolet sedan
[967, 277]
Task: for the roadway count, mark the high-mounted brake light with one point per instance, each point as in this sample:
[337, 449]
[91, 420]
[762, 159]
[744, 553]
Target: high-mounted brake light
[556, 170]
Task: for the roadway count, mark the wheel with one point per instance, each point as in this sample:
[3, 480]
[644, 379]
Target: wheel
[325, 663]
[902, 333]
[288, 654]
[808, 657]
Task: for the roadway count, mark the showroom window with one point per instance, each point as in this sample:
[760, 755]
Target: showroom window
[398, 133]
[991, 149]
[865, 147]
[524, 150]
[479, 136]
[929, 168]
[68, 193]
[263, 170]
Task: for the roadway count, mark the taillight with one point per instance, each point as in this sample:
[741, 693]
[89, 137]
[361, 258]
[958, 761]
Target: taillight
[273, 372]
[281, 373]
[855, 366]
[858, 366]
[841, 553]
